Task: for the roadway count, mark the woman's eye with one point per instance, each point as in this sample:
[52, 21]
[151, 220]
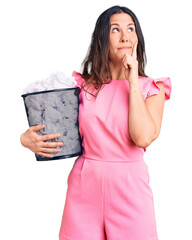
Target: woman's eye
[130, 29]
[115, 30]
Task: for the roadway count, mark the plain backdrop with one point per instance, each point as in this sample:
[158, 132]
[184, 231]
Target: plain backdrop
[42, 36]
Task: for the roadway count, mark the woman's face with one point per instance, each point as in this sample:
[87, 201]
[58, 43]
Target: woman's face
[122, 36]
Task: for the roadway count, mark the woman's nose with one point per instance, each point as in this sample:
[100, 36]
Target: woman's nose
[124, 37]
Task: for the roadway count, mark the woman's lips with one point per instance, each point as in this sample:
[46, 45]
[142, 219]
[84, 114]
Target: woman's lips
[122, 48]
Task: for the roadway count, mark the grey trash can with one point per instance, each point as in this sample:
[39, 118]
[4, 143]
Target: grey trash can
[58, 110]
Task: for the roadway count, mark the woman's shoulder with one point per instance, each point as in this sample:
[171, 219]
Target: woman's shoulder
[150, 87]
[80, 79]
[78, 76]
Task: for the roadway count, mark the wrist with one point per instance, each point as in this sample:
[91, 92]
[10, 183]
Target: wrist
[134, 83]
[133, 78]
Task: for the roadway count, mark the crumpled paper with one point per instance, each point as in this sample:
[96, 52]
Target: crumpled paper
[56, 80]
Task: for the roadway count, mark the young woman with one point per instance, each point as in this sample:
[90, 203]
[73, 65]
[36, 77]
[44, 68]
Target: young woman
[120, 114]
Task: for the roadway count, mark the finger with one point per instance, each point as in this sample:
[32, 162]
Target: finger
[37, 128]
[125, 62]
[51, 144]
[45, 155]
[125, 65]
[50, 150]
[134, 54]
[50, 136]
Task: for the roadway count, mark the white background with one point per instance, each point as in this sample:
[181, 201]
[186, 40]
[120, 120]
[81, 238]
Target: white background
[42, 36]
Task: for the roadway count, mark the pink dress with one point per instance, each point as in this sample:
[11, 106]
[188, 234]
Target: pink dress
[108, 195]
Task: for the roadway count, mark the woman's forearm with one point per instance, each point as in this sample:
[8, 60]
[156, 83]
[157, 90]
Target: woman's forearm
[141, 125]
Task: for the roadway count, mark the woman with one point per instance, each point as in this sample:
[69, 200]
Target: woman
[108, 194]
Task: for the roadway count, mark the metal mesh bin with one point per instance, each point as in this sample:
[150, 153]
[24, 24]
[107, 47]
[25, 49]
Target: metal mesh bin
[58, 110]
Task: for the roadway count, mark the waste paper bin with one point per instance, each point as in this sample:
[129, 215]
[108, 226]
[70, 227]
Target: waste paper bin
[58, 110]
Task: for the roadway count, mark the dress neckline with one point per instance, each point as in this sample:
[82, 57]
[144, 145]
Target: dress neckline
[123, 79]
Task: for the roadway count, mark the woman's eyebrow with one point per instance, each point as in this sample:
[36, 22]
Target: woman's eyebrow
[119, 25]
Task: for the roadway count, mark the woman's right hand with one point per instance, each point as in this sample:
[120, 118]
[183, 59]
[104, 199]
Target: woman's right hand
[35, 142]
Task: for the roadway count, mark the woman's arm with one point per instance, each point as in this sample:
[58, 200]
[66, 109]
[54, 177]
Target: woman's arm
[36, 143]
[145, 117]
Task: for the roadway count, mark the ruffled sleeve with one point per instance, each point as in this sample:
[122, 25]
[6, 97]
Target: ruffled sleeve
[78, 79]
[150, 86]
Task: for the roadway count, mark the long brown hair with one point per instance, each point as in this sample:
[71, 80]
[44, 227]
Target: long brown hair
[95, 67]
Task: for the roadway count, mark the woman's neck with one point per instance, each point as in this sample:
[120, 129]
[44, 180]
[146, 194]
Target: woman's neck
[117, 71]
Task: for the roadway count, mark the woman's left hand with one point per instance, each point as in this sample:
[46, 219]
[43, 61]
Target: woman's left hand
[130, 64]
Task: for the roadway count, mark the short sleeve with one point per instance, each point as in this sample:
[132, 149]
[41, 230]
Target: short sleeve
[78, 79]
[150, 87]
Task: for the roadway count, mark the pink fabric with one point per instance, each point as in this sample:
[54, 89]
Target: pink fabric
[106, 119]
[108, 194]
[149, 86]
